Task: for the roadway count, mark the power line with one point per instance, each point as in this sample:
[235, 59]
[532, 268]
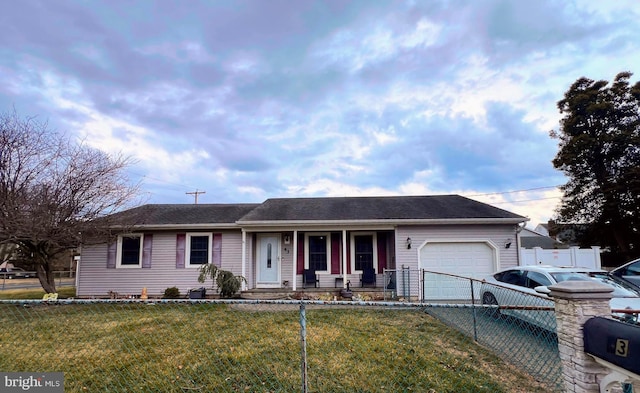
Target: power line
[524, 200]
[196, 193]
[514, 191]
[161, 180]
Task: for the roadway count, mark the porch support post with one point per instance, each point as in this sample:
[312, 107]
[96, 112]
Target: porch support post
[295, 260]
[244, 259]
[344, 258]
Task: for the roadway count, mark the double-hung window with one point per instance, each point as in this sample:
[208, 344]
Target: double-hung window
[364, 251]
[318, 253]
[198, 250]
[129, 250]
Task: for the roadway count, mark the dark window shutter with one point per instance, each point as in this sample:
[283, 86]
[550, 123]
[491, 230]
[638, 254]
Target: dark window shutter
[335, 253]
[300, 255]
[382, 252]
[216, 252]
[147, 246]
[181, 240]
[111, 255]
[348, 253]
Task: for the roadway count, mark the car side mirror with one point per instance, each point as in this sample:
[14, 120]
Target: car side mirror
[542, 289]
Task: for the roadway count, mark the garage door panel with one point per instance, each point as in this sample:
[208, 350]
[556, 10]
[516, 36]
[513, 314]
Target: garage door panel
[469, 259]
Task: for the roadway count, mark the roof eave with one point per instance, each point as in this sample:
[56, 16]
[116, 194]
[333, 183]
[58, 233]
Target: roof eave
[210, 225]
[326, 223]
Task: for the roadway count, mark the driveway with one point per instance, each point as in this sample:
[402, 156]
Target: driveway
[523, 345]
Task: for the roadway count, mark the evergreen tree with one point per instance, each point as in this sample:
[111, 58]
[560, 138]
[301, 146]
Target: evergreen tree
[599, 152]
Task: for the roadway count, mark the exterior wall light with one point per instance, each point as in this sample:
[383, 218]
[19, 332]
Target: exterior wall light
[408, 243]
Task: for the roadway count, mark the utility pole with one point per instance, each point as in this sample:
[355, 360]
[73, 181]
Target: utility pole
[195, 194]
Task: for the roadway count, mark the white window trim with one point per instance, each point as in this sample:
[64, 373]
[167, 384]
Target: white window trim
[327, 236]
[187, 251]
[119, 251]
[353, 250]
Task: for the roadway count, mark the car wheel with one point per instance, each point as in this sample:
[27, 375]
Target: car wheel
[489, 300]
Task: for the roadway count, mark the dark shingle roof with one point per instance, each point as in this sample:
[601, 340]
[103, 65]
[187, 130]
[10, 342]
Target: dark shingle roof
[282, 210]
[543, 242]
[165, 214]
[439, 207]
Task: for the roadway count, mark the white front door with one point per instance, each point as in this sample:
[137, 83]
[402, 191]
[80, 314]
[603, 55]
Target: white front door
[268, 257]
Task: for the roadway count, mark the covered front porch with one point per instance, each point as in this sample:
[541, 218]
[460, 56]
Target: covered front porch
[318, 258]
[328, 294]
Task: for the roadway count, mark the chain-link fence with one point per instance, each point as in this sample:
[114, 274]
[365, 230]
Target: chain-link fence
[401, 284]
[248, 346]
[519, 327]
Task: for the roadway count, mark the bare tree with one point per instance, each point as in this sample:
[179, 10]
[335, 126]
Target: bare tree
[54, 192]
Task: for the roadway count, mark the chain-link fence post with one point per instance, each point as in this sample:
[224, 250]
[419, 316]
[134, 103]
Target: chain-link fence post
[406, 282]
[303, 345]
[473, 309]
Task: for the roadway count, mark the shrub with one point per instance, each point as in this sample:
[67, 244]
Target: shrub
[171, 293]
[228, 284]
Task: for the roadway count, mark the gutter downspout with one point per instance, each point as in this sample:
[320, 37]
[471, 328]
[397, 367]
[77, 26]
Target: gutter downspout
[344, 258]
[78, 268]
[519, 229]
[295, 260]
[244, 259]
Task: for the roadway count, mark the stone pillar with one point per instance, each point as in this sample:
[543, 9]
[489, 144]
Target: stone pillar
[575, 303]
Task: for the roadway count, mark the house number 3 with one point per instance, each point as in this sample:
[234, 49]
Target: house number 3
[622, 347]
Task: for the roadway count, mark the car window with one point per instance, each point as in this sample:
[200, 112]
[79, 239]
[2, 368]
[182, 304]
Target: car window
[513, 277]
[536, 279]
[633, 269]
[566, 276]
[620, 288]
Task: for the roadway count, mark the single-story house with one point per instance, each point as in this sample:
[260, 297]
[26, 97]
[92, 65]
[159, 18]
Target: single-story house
[274, 243]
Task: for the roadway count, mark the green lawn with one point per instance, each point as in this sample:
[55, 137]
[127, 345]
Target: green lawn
[126, 347]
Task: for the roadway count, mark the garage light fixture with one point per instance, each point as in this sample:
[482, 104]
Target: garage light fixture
[507, 243]
[408, 243]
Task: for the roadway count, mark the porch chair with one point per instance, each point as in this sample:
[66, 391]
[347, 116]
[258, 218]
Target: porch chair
[309, 277]
[368, 277]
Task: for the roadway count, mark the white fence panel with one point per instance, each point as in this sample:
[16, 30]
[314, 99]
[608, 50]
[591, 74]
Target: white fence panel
[574, 256]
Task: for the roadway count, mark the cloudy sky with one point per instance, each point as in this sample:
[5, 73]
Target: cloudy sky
[248, 100]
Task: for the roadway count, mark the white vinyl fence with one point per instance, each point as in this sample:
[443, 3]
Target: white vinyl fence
[574, 256]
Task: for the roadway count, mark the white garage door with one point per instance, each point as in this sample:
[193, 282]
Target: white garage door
[471, 259]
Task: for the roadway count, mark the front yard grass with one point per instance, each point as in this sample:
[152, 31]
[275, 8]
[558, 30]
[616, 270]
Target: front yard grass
[178, 347]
